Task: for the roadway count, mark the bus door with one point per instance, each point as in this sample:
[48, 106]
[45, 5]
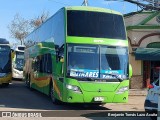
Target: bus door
[59, 73]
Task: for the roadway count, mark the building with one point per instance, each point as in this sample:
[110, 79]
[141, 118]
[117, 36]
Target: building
[143, 30]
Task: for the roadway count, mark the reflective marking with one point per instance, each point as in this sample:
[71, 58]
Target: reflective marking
[57, 89]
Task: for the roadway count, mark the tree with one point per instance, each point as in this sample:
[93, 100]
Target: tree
[37, 21]
[19, 28]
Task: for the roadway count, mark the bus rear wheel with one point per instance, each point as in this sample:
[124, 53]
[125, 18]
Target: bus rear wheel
[27, 81]
[54, 100]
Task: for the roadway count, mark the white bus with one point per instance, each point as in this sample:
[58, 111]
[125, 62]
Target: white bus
[18, 61]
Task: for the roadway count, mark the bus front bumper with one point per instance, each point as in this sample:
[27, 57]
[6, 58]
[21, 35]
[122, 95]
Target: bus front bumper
[95, 97]
[6, 79]
[17, 74]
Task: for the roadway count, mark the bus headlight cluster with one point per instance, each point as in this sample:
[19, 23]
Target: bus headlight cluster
[15, 72]
[73, 88]
[122, 90]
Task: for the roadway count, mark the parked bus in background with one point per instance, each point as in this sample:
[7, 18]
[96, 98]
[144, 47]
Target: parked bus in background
[18, 62]
[79, 55]
[5, 62]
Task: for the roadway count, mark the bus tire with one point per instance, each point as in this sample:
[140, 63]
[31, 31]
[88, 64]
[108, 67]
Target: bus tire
[27, 81]
[54, 100]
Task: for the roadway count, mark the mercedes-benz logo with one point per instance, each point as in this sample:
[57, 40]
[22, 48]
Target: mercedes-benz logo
[99, 90]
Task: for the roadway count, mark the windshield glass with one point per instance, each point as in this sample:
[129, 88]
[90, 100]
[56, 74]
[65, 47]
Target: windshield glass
[19, 60]
[97, 61]
[5, 59]
[114, 60]
[95, 24]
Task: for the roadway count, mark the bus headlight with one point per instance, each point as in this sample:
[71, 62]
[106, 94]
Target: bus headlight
[122, 90]
[73, 88]
[16, 72]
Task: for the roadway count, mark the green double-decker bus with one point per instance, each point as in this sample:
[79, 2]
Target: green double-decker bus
[79, 55]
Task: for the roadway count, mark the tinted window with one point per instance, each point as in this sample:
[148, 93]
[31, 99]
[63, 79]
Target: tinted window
[5, 62]
[20, 48]
[95, 24]
[19, 61]
[5, 49]
[3, 41]
[44, 63]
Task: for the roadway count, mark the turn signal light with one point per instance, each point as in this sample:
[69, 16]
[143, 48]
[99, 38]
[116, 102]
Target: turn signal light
[150, 86]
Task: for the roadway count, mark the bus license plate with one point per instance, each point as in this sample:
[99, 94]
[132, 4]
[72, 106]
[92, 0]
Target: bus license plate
[98, 98]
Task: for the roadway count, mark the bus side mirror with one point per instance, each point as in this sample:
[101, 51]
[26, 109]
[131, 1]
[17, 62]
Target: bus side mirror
[130, 71]
[62, 59]
[12, 54]
[40, 45]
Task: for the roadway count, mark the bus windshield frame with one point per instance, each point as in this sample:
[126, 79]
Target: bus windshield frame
[5, 61]
[97, 62]
[19, 60]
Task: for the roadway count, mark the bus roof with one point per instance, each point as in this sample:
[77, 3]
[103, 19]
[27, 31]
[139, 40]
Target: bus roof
[94, 9]
[3, 41]
[20, 48]
[82, 8]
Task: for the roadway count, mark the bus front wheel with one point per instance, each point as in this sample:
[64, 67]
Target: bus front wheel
[54, 100]
[27, 81]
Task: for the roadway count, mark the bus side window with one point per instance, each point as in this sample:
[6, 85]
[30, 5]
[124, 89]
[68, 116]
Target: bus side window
[49, 63]
[61, 53]
[42, 64]
[57, 52]
[45, 64]
[34, 64]
[38, 65]
[45, 59]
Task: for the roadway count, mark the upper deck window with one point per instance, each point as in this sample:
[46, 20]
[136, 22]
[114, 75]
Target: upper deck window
[21, 48]
[4, 48]
[95, 24]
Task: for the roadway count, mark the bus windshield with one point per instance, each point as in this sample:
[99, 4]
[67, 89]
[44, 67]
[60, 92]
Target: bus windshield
[97, 61]
[19, 61]
[95, 24]
[5, 59]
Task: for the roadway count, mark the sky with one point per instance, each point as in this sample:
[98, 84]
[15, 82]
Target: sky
[30, 9]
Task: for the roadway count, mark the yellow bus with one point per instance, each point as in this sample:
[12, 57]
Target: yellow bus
[5, 62]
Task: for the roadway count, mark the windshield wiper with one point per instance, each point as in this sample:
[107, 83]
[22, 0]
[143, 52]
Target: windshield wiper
[90, 79]
[113, 75]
